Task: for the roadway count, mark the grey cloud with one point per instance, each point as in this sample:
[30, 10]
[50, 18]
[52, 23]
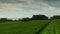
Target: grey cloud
[12, 1]
[54, 3]
[52, 0]
[19, 1]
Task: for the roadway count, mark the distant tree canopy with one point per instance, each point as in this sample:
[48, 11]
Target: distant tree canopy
[34, 17]
[5, 20]
[39, 17]
[56, 17]
[26, 19]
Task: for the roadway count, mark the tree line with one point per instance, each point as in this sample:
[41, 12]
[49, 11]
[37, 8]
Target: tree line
[34, 17]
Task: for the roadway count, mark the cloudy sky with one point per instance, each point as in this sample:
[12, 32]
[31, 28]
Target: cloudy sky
[27, 8]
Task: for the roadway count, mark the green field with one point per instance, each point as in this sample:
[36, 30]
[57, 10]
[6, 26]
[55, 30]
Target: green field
[30, 27]
[20, 27]
[52, 28]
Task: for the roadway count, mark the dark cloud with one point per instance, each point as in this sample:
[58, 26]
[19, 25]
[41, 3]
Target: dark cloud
[12, 1]
[54, 3]
[19, 1]
[52, 0]
[35, 6]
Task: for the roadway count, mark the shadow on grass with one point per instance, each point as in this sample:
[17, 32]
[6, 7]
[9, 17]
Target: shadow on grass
[41, 29]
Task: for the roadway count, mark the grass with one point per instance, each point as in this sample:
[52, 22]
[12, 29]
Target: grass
[48, 30]
[20, 27]
[30, 27]
[52, 28]
[56, 23]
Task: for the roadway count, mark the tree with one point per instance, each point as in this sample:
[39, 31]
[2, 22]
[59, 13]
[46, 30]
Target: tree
[5, 20]
[19, 19]
[39, 17]
[56, 17]
[26, 19]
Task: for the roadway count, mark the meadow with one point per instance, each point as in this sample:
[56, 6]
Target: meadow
[19, 27]
[31, 27]
[52, 28]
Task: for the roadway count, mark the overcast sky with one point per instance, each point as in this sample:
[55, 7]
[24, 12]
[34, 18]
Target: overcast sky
[27, 8]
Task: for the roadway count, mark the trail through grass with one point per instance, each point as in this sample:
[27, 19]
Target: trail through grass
[52, 28]
[41, 29]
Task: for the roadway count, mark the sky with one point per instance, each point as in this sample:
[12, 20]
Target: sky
[26, 8]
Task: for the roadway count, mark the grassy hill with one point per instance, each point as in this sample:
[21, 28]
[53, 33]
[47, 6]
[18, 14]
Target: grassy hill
[20, 27]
